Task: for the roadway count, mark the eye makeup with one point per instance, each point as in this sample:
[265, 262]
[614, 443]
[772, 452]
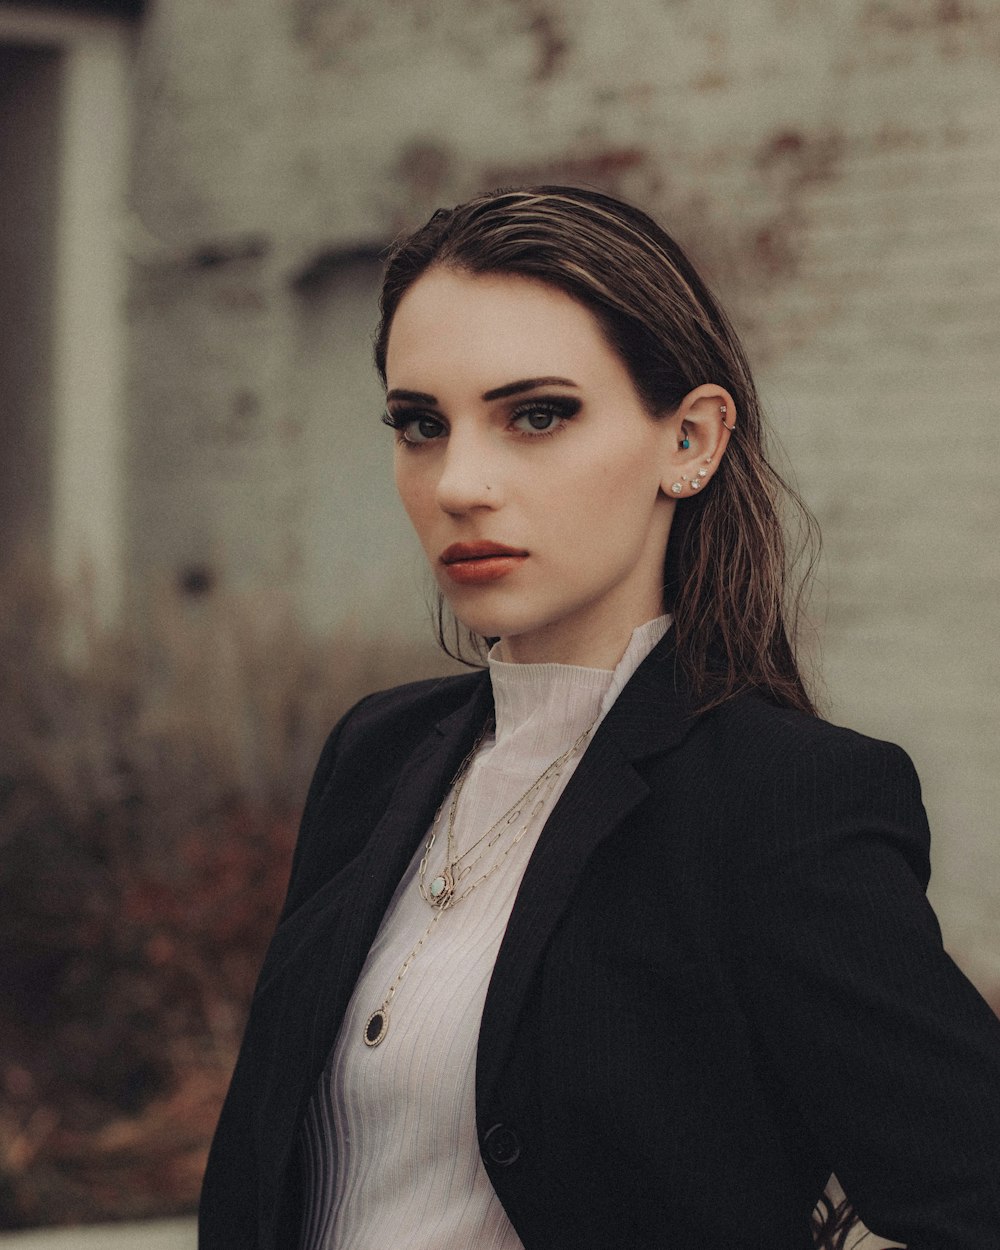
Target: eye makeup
[555, 410]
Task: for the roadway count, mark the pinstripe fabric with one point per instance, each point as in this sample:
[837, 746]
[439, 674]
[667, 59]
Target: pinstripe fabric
[720, 982]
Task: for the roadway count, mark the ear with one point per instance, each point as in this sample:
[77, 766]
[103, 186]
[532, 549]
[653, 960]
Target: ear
[701, 427]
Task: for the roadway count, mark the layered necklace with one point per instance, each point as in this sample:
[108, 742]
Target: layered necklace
[451, 885]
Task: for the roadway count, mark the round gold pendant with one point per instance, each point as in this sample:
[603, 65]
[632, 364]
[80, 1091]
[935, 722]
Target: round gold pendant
[377, 1026]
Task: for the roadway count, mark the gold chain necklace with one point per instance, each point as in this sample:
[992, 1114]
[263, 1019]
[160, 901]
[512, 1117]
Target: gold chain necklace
[441, 893]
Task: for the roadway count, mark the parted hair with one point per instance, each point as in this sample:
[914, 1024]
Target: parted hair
[726, 579]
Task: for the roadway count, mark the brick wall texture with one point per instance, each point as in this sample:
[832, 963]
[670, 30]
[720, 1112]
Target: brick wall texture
[835, 168]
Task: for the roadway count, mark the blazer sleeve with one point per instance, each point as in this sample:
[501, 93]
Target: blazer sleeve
[229, 1214]
[301, 879]
[890, 1054]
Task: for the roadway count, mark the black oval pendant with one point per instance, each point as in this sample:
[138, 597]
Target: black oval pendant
[377, 1027]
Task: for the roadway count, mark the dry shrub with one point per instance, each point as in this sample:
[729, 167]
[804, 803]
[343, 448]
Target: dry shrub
[150, 786]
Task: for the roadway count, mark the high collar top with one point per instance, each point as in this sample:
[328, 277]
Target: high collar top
[390, 1145]
[541, 709]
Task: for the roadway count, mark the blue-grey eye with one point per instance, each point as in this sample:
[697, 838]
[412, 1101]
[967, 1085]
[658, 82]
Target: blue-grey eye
[543, 416]
[422, 429]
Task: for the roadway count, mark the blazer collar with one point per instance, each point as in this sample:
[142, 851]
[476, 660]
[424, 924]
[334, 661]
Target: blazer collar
[653, 712]
[371, 879]
[651, 716]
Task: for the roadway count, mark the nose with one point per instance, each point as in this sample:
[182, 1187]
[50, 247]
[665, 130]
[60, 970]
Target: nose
[469, 478]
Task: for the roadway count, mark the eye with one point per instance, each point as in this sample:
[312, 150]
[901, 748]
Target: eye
[544, 416]
[421, 429]
[415, 428]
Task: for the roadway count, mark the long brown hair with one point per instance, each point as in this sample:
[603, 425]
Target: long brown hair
[726, 579]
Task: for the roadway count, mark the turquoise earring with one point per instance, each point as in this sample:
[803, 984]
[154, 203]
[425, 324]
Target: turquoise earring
[685, 443]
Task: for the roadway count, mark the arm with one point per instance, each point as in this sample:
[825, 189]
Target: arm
[890, 1054]
[228, 1209]
[301, 881]
[229, 1214]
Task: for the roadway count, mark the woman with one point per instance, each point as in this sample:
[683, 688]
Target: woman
[616, 944]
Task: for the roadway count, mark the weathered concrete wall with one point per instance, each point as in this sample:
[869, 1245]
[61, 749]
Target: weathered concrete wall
[834, 166]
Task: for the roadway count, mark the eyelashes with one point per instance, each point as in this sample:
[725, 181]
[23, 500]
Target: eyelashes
[530, 419]
[403, 419]
[559, 409]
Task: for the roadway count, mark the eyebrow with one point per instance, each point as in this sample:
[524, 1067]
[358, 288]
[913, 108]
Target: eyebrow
[526, 384]
[500, 392]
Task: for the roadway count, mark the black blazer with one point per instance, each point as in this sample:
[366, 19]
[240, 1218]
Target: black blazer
[721, 981]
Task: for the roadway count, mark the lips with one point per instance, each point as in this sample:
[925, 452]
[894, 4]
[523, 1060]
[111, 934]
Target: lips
[475, 563]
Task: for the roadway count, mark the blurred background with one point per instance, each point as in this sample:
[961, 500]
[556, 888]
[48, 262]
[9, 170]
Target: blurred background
[203, 562]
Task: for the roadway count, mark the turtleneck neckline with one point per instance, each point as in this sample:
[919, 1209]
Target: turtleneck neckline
[549, 704]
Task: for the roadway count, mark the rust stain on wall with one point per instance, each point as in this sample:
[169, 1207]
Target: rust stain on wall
[801, 158]
[549, 35]
[552, 46]
[904, 16]
[605, 167]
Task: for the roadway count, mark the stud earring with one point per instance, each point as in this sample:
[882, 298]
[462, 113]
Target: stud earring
[677, 488]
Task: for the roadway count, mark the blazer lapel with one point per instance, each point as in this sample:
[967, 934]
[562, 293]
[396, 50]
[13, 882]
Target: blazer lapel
[375, 874]
[651, 715]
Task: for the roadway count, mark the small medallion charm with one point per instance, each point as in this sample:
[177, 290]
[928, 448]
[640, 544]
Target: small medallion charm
[441, 888]
[377, 1026]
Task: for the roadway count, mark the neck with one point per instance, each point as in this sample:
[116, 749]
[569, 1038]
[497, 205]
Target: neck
[586, 648]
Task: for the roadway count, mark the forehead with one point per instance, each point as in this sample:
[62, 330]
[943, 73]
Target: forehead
[482, 323]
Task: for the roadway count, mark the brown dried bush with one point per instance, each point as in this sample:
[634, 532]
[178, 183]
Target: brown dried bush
[150, 787]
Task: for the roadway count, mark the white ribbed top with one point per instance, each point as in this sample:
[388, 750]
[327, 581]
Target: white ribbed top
[390, 1145]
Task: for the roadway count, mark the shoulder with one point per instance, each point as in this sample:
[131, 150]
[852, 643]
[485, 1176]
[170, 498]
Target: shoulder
[773, 742]
[803, 782]
[387, 725]
[358, 769]
[403, 711]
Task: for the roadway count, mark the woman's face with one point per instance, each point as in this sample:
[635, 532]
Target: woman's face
[528, 465]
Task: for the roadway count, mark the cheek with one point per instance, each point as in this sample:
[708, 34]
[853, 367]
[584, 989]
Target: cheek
[612, 502]
[412, 487]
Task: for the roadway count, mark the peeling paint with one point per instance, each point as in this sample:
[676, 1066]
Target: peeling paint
[802, 158]
[904, 16]
[774, 252]
[424, 167]
[552, 45]
[604, 167]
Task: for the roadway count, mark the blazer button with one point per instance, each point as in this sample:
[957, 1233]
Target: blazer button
[502, 1145]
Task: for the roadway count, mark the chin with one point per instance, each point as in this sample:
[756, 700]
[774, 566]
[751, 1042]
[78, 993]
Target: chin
[489, 624]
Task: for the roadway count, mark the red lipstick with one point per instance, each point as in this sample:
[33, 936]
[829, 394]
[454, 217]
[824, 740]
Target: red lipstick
[472, 564]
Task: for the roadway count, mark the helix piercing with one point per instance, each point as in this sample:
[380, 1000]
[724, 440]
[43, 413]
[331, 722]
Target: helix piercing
[722, 411]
